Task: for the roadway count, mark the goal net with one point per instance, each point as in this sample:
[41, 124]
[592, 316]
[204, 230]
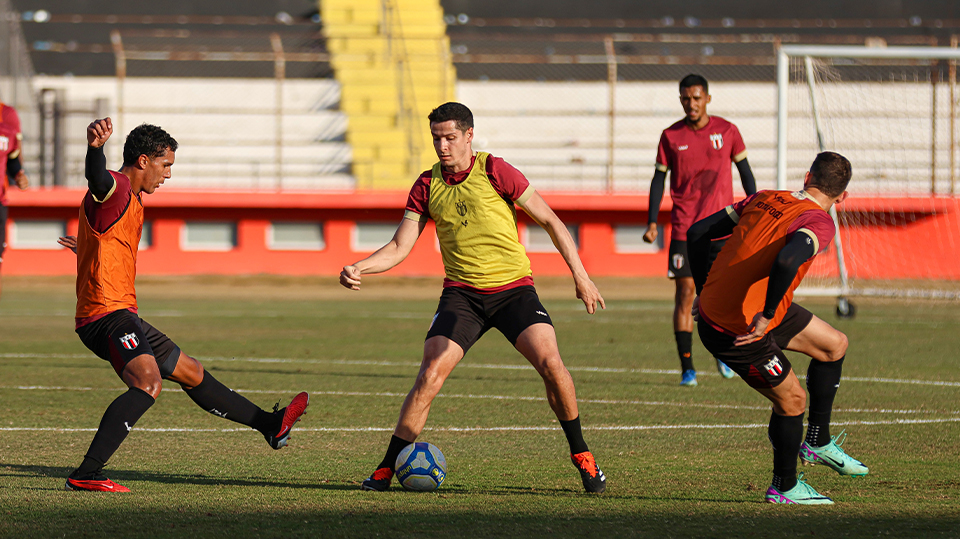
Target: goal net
[893, 113]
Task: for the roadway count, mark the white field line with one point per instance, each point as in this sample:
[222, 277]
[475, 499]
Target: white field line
[467, 365]
[504, 429]
[615, 402]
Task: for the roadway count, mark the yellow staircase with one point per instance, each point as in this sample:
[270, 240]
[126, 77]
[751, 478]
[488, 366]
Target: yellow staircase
[392, 60]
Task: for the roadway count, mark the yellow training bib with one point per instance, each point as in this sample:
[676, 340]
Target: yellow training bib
[477, 230]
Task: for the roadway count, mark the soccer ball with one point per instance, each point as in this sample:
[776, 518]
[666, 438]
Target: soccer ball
[421, 467]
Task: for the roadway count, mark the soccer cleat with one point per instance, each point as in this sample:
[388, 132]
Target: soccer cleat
[591, 474]
[689, 378]
[802, 494]
[94, 483]
[379, 481]
[291, 414]
[834, 456]
[725, 371]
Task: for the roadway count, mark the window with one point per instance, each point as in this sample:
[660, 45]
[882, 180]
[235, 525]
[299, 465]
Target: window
[208, 236]
[292, 236]
[36, 234]
[372, 236]
[537, 240]
[629, 239]
[146, 236]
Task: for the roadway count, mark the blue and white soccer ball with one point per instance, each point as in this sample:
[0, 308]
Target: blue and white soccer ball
[421, 467]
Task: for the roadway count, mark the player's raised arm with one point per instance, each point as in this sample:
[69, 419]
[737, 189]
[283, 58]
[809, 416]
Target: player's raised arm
[99, 180]
[543, 214]
[746, 177]
[387, 256]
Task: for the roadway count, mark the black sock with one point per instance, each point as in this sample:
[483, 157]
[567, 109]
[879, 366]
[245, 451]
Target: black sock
[118, 419]
[786, 434]
[685, 349]
[823, 380]
[222, 401]
[393, 451]
[574, 435]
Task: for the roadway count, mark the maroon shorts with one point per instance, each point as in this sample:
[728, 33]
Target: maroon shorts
[762, 364]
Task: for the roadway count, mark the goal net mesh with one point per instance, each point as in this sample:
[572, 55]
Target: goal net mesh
[892, 120]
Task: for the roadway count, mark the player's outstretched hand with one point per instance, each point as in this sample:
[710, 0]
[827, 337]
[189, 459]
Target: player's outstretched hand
[350, 277]
[70, 242]
[757, 329]
[98, 132]
[22, 180]
[588, 293]
[651, 234]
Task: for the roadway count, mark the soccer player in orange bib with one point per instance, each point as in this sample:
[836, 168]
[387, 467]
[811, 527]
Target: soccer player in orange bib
[111, 220]
[697, 151]
[10, 167]
[471, 196]
[746, 316]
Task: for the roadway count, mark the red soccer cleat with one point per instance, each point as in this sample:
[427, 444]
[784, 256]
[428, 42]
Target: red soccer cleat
[291, 414]
[98, 483]
[379, 481]
[593, 478]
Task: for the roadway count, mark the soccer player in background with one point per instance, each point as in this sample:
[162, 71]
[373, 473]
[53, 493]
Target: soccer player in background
[697, 151]
[11, 169]
[746, 316]
[111, 220]
[471, 196]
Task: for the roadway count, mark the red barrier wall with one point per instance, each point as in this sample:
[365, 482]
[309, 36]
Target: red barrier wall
[897, 238]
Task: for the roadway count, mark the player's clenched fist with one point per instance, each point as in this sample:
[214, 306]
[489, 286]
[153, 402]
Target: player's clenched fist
[350, 277]
[98, 132]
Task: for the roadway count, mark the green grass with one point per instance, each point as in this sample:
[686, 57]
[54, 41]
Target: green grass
[357, 353]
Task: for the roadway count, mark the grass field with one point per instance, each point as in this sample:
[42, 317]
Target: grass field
[679, 462]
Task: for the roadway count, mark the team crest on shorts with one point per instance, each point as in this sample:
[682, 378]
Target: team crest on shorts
[130, 341]
[678, 261]
[774, 367]
[717, 140]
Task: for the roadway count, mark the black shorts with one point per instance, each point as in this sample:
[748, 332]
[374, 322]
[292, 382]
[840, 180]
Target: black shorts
[762, 364]
[463, 316]
[122, 335]
[3, 229]
[678, 264]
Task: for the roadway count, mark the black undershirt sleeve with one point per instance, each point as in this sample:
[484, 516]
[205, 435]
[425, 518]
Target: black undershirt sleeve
[784, 271]
[13, 168]
[656, 195]
[99, 179]
[746, 177]
[699, 236]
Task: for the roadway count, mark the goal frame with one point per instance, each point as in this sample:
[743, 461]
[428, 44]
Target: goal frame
[806, 52]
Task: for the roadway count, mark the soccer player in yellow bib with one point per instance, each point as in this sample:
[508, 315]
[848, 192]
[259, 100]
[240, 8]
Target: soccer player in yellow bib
[471, 196]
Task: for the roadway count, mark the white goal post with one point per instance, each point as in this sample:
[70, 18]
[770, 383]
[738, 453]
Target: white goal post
[880, 107]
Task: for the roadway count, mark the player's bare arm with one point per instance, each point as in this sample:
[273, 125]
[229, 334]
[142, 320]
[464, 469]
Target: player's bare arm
[385, 257]
[543, 214]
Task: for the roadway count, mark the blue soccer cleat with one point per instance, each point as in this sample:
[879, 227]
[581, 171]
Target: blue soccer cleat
[689, 378]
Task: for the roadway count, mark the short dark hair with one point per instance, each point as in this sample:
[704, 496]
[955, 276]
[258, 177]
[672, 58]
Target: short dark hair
[452, 111]
[149, 140]
[831, 173]
[694, 80]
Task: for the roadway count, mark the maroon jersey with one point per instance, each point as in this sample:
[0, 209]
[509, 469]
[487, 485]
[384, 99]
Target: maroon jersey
[9, 144]
[699, 162]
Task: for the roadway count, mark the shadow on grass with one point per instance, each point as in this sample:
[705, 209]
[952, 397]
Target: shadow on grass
[60, 475]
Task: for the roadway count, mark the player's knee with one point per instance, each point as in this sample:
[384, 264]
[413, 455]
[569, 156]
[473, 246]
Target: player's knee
[793, 404]
[430, 379]
[836, 350]
[552, 369]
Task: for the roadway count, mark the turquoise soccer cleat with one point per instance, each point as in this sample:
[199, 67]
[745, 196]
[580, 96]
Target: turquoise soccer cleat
[689, 378]
[725, 371]
[801, 493]
[834, 456]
